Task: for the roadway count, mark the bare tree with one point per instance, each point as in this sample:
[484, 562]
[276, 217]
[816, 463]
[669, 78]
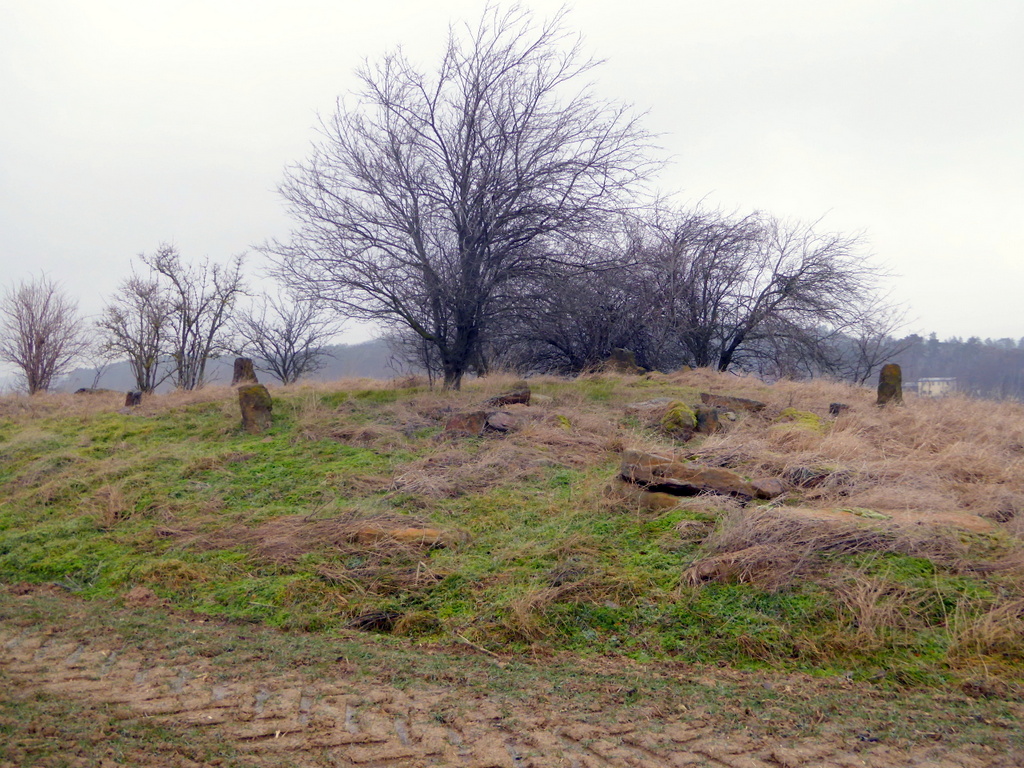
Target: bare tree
[745, 290]
[287, 336]
[870, 341]
[136, 325]
[707, 289]
[429, 199]
[40, 332]
[201, 298]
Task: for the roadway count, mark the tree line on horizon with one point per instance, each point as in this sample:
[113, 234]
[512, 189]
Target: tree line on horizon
[492, 212]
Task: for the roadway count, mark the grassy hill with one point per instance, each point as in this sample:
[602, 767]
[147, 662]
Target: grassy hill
[893, 555]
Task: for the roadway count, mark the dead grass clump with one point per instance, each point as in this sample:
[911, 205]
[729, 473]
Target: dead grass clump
[772, 547]
[456, 472]
[998, 631]
[904, 496]
[378, 554]
[991, 500]
[525, 618]
[21, 408]
[580, 442]
[376, 436]
[179, 399]
[712, 504]
[110, 505]
[760, 564]
[877, 608]
[49, 469]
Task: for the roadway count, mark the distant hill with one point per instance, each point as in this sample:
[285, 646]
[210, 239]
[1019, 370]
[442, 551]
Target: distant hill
[370, 359]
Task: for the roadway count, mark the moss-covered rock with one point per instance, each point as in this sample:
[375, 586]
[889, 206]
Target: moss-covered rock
[679, 419]
[890, 385]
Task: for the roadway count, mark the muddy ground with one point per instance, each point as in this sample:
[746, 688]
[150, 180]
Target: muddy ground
[86, 683]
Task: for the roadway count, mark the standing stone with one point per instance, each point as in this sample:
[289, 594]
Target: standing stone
[244, 372]
[623, 361]
[890, 385]
[133, 398]
[254, 401]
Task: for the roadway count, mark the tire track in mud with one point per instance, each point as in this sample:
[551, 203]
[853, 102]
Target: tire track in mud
[344, 723]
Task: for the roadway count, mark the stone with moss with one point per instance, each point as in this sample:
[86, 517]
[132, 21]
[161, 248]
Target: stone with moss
[256, 406]
[679, 419]
[890, 385]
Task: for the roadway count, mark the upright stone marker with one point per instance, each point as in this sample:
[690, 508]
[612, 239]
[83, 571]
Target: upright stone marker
[254, 401]
[623, 361]
[890, 385]
[244, 372]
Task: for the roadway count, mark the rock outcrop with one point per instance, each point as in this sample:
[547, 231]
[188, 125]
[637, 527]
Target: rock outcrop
[661, 474]
[518, 395]
[727, 403]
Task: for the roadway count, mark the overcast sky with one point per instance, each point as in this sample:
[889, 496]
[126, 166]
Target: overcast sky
[127, 124]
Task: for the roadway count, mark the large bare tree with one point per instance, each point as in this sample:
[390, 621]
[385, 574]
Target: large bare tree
[431, 195]
[40, 332]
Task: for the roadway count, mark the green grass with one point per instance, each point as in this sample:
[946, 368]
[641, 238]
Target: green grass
[106, 502]
[45, 730]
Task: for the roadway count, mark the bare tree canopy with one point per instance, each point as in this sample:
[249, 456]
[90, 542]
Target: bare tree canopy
[201, 298]
[429, 198]
[136, 324]
[739, 288]
[706, 289]
[40, 332]
[288, 336]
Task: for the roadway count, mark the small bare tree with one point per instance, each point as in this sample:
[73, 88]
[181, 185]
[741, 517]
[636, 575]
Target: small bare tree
[40, 332]
[136, 324]
[287, 337]
[870, 341]
[201, 299]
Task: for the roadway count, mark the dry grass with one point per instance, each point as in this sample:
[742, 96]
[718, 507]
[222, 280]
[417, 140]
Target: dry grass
[996, 632]
[773, 547]
[933, 454]
[285, 539]
[525, 618]
[110, 505]
[876, 608]
[23, 408]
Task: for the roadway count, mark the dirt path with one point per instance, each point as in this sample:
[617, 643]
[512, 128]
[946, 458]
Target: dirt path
[246, 717]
